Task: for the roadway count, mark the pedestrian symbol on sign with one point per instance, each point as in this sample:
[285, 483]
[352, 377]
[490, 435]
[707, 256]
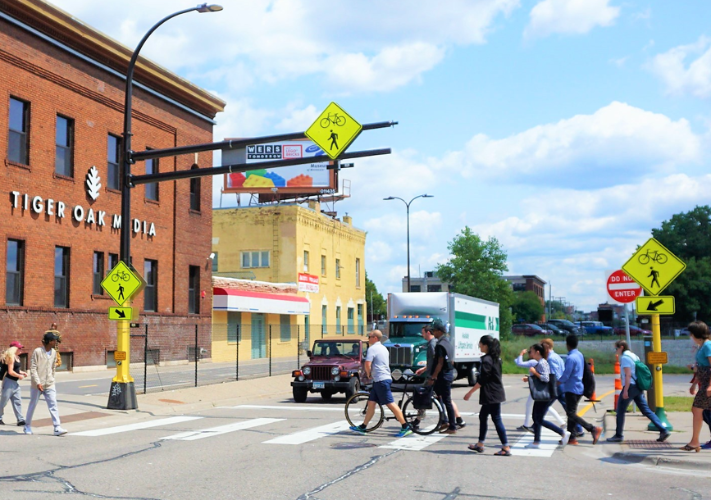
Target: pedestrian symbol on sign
[120, 292]
[655, 277]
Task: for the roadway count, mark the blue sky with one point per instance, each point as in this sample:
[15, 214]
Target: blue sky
[567, 129]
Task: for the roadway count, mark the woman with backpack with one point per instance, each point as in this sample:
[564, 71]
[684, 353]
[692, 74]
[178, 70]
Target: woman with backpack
[632, 370]
[10, 387]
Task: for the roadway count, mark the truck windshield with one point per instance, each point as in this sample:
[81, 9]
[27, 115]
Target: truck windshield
[400, 330]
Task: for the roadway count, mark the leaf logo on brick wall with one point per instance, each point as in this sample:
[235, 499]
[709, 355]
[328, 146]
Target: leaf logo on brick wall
[93, 183]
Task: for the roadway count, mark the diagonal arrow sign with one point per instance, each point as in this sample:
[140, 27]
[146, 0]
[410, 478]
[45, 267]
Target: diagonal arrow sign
[653, 305]
[120, 313]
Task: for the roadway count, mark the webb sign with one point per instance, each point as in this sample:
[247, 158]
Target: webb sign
[308, 283]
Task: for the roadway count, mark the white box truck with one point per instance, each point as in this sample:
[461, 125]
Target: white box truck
[467, 320]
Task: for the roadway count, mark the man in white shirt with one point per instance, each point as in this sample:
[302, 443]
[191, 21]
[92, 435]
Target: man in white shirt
[42, 368]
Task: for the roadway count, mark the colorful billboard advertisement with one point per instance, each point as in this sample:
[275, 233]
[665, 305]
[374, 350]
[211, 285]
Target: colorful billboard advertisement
[308, 179]
[308, 283]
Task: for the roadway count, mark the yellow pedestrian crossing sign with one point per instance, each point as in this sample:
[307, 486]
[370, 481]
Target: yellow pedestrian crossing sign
[653, 266]
[122, 283]
[334, 130]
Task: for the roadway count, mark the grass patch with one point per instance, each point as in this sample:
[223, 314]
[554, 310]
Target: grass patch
[678, 403]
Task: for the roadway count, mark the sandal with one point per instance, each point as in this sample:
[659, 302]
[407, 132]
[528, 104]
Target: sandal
[687, 447]
[503, 453]
[479, 448]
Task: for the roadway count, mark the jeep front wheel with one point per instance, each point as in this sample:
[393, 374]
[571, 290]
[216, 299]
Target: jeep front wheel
[300, 394]
[353, 387]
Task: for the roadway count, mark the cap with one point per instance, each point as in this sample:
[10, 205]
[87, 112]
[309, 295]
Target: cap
[438, 325]
[50, 335]
[16, 344]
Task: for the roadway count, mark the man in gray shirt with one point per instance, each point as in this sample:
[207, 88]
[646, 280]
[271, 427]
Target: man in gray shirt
[377, 367]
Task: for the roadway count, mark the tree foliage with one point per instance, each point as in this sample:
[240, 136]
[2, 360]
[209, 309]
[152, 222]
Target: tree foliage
[378, 305]
[527, 307]
[476, 269]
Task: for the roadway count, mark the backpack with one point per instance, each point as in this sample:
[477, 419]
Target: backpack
[3, 369]
[642, 375]
[588, 380]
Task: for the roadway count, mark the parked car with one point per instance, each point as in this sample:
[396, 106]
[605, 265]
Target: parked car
[634, 331]
[554, 328]
[334, 366]
[568, 326]
[530, 330]
[596, 328]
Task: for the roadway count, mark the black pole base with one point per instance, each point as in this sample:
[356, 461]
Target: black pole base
[122, 396]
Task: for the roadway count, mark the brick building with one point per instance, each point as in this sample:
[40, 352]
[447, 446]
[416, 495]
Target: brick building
[61, 119]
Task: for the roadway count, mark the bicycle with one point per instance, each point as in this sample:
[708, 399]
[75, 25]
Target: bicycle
[421, 422]
[120, 274]
[658, 257]
[333, 118]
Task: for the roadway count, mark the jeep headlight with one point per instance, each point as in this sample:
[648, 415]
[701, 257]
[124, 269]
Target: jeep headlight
[307, 370]
[335, 370]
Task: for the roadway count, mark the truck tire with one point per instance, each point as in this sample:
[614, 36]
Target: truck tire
[353, 387]
[472, 376]
[300, 394]
[326, 395]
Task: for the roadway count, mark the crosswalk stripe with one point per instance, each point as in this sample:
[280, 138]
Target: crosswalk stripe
[310, 434]
[133, 427]
[283, 408]
[549, 443]
[414, 442]
[223, 429]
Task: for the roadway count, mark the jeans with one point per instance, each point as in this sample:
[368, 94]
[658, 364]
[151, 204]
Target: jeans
[443, 389]
[50, 397]
[11, 392]
[495, 411]
[540, 408]
[571, 410]
[561, 400]
[638, 396]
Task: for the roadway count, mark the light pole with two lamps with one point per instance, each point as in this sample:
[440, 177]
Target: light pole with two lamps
[407, 204]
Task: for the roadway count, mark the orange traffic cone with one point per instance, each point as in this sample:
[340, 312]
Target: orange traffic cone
[592, 369]
[618, 380]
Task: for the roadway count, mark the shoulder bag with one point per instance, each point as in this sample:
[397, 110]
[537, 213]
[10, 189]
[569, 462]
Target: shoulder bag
[543, 391]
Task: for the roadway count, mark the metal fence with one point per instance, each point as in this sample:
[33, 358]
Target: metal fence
[165, 357]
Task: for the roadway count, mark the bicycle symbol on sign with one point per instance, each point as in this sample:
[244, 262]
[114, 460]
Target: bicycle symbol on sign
[332, 118]
[122, 275]
[654, 256]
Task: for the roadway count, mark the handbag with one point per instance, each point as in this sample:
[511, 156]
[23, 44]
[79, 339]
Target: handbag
[422, 397]
[543, 391]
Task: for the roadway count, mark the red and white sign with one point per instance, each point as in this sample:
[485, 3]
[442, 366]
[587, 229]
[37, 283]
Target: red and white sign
[621, 288]
[308, 283]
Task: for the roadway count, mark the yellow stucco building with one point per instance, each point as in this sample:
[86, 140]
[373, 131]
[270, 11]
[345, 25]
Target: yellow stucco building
[287, 243]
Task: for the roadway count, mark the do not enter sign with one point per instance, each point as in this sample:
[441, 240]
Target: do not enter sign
[622, 288]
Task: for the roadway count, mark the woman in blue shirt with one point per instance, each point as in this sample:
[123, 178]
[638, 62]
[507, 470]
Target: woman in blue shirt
[700, 335]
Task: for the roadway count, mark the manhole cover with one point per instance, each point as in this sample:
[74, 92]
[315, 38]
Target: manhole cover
[350, 446]
[648, 445]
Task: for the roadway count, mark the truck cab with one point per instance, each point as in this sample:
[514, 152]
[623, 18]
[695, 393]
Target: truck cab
[407, 347]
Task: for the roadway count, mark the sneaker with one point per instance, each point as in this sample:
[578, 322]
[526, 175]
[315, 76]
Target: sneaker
[664, 435]
[526, 428]
[448, 431]
[596, 434]
[566, 438]
[1, 422]
[21, 423]
[579, 434]
[573, 442]
[59, 431]
[461, 424]
[533, 446]
[27, 429]
[358, 428]
[615, 439]
[406, 431]
[444, 427]
[706, 446]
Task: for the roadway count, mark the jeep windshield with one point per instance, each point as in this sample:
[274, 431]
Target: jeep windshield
[401, 330]
[336, 349]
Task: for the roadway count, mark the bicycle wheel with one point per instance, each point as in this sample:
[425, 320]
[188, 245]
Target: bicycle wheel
[357, 405]
[114, 277]
[661, 258]
[340, 121]
[423, 421]
[643, 259]
[325, 122]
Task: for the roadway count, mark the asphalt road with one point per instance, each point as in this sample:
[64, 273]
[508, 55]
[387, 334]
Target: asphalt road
[274, 449]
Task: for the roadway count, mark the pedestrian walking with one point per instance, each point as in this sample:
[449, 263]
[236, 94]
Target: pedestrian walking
[10, 383]
[491, 396]
[43, 364]
[557, 366]
[701, 384]
[377, 367]
[443, 374]
[631, 392]
[542, 372]
[528, 416]
[571, 383]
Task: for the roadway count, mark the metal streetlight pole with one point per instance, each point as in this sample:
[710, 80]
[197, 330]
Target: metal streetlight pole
[123, 393]
[407, 204]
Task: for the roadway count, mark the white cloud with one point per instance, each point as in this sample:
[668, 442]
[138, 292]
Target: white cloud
[606, 148]
[695, 78]
[298, 119]
[569, 17]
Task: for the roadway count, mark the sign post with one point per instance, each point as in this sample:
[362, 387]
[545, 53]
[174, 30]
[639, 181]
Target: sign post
[623, 289]
[654, 267]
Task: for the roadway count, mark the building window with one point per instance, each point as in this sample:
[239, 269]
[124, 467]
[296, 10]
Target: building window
[357, 273]
[434, 288]
[285, 328]
[338, 269]
[255, 259]
[338, 320]
[150, 293]
[234, 325]
[307, 328]
[351, 321]
[64, 147]
[152, 187]
[98, 273]
[112, 160]
[415, 288]
[519, 287]
[323, 265]
[306, 261]
[194, 290]
[324, 320]
[360, 319]
[195, 192]
[214, 262]
[18, 149]
[113, 260]
[61, 277]
[15, 267]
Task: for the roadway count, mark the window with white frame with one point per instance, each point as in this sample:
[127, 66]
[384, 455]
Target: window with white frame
[255, 258]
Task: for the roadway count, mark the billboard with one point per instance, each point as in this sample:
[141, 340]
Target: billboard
[308, 179]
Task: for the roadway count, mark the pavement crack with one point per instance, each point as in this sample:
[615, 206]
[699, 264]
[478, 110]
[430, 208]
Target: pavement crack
[694, 495]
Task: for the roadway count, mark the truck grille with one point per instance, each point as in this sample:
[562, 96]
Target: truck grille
[321, 372]
[400, 355]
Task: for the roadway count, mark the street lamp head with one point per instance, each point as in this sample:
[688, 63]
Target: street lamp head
[428, 196]
[209, 8]
[388, 198]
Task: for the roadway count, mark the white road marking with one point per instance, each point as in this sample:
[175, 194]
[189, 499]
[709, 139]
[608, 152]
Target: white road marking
[549, 443]
[133, 427]
[310, 434]
[414, 442]
[285, 407]
[223, 429]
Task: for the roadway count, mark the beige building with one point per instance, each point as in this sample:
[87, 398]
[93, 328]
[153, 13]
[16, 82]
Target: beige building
[289, 243]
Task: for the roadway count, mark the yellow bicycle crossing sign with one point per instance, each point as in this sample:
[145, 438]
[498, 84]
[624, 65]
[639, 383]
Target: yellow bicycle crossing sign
[333, 130]
[122, 283]
[654, 267]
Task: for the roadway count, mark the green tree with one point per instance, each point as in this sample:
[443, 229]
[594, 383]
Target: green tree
[527, 307]
[476, 269]
[688, 236]
[376, 302]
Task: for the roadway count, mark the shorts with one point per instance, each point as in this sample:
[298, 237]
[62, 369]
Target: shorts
[381, 393]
